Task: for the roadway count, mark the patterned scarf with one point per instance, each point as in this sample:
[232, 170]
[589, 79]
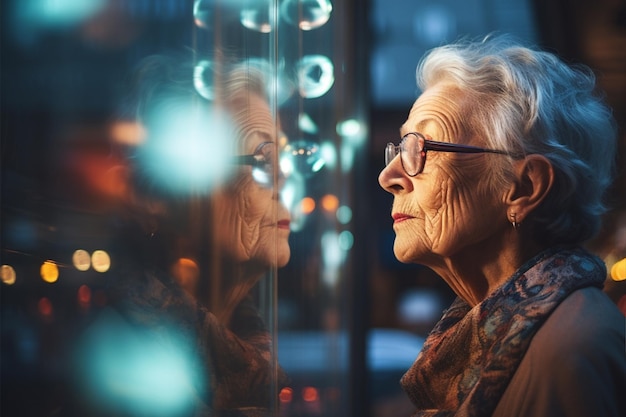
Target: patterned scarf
[472, 353]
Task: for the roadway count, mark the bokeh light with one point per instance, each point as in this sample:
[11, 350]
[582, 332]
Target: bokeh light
[344, 214]
[306, 14]
[315, 75]
[204, 79]
[81, 259]
[306, 124]
[307, 205]
[49, 271]
[186, 272]
[310, 394]
[303, 157]
[346, 240]
[188, 148]
[44, 307]
[84, 295]
[618, 270]
[330, 203]
[100, 261]
[286, 395]
[203, 13]
[255, 15]
[7, 274]
[136, 373]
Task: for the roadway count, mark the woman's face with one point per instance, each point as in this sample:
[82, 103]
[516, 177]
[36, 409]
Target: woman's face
[441, 212]
[251, 222]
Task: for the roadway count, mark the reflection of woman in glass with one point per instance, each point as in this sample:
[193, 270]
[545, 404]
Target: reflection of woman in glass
[186, 338]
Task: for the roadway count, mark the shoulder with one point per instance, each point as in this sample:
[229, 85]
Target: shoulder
[575, 364]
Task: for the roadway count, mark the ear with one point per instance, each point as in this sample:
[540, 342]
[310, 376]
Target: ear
[534, 177]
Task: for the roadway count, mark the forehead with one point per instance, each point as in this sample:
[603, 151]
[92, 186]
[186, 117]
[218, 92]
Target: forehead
[255, 122]
[437, 112]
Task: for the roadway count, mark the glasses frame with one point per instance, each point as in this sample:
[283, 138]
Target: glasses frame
[263, 163]
[392, 150]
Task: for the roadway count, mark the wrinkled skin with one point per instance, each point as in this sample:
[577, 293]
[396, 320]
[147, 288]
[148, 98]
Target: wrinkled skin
[252, 225]
[451, 221]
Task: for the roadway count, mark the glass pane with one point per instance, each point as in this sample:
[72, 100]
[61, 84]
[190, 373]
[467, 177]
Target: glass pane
[178, 225]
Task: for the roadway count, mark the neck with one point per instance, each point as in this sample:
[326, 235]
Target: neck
[475, 272]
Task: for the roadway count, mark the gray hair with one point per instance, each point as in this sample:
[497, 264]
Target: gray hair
[528, 101]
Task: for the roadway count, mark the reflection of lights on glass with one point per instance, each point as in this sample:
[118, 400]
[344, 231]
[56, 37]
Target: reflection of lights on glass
[100, 261]
[331, 252]
[329, 153]
[189, 147]
[344, 214]
[256, 16]
[135, 371]
[307, 205]
[49, 271]
[306, 14]
[346, 240]
[618, 270]
[330, 203]
[352, 131]
[203, 79]
[202, 13]
[349, 127]
[310, 394]
[306, 124]
[44, 306]
[305, 157]
[7, 274]
[286, 395]
[81, 260]
[57, 13]
[315, 75]
[347, 156]
[84, 295]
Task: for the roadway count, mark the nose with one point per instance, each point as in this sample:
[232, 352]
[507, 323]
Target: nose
[393, 179]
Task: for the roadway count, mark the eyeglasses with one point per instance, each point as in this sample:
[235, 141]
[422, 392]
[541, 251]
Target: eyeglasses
[413, 148]
[262, 161]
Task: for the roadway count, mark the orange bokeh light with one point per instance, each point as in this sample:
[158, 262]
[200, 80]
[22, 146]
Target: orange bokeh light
[307, 205]
[330, 203]
[310, 394]
[286, 395]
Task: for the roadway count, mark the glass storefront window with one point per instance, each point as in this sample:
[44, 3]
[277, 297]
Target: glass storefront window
[178, 216]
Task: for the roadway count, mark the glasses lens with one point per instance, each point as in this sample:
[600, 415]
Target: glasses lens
[263, 171]
[412, 160]
[391, 151]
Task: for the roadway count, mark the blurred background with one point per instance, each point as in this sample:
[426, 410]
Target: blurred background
[347, 318]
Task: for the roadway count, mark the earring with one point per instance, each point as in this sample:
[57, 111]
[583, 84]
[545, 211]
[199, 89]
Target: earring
[514, 222]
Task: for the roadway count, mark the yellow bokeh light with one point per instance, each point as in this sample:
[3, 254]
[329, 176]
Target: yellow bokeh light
[307, 205]
[49, 271]
[81, 260]
[7, 274]
[330, 203]
[618, 270]
[100, 261]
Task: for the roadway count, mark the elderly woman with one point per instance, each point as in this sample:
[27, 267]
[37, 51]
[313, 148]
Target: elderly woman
[497, 181]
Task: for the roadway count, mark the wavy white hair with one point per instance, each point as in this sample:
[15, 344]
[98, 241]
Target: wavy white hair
[528, 101]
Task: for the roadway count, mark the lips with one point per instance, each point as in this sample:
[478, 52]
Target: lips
[400, 217]
[283, 224]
